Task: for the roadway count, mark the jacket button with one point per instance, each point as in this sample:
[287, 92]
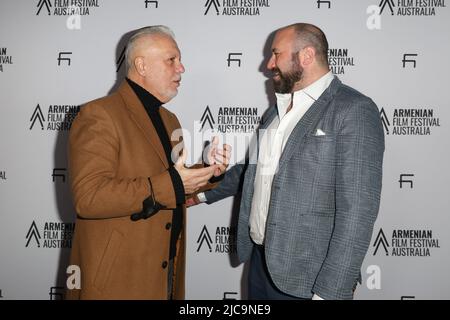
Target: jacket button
[164, 264]
[168, 225]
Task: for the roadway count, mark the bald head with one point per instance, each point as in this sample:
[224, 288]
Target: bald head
[308, 35]
[299, 57]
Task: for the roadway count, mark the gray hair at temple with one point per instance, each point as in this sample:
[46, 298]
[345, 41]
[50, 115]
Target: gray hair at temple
[145, 31]
[309, 35]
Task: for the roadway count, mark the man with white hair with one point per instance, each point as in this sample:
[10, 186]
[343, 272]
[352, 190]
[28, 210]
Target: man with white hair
[128, 191]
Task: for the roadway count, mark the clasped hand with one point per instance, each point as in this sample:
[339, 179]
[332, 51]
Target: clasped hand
[217, 161]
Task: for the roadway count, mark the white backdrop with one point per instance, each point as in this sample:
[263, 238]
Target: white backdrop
[51, 62]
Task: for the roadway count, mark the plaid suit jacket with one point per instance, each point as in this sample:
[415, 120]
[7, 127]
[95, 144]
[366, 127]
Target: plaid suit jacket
[325, 196]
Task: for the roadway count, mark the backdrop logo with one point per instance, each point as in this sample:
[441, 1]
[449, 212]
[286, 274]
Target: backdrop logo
[58, 117]
[66, 7]
[411, 7]
[232, 119]
[236, 7]
[59, 173]
[224, 240]
[410, 122]
[64, 56]
[229, 295]
[54, 235]
[389, 3]
[406, 178]
[339, 60]
[154, 3]
[409, 59]
[207, 117]
[407, 243]
[212, 3]
[2, 175]
[385, 120]
[381, 240]
[37, 115]
[204, 237]
[4, 58]
[43, 3]
[234, 57]
[326, 2]
[33, 233]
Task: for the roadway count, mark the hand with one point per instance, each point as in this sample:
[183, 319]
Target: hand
[221, 157]
[192, 201]
[193, 179]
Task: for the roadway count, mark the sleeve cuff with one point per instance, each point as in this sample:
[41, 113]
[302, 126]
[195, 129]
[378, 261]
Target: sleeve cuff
[202, 197]
[216, 179]
[177, 185]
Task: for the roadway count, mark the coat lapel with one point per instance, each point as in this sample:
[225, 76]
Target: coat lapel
[307, 122]
[266, 119]
[171, 125]
[140, 117]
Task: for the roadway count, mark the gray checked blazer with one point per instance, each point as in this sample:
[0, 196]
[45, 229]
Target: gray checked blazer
[325, 196]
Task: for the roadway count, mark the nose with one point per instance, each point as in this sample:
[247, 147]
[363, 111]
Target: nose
[271, 62]
[180, 68]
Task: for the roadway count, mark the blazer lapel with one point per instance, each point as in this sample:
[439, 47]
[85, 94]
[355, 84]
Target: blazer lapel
[266, 120]
[307, 122]
[268, 117]
[253, 155]
[140, 117]
[170, 126]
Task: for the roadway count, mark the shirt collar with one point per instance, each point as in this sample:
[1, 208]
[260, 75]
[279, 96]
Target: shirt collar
[150, 102]
[311, 93]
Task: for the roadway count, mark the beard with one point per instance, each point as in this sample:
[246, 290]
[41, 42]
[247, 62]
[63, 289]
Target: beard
[288, 79]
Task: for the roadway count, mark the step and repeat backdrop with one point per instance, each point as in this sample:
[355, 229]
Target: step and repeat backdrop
[55, 55]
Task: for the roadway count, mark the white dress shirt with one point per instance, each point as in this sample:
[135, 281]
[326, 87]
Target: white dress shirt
[272, 144]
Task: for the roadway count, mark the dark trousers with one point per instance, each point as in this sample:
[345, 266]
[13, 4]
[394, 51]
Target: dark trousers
[260, 285]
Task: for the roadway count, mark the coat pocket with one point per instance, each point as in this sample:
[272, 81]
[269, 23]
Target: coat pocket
[107, 261]
[319, 139]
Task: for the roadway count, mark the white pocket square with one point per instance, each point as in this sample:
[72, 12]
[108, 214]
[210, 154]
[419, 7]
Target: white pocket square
[319, 132]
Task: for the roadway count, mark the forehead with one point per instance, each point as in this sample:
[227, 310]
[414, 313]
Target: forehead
[283, 39]
[159, 44]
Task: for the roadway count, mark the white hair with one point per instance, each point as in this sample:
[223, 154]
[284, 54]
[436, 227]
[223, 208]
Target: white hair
[145, 31]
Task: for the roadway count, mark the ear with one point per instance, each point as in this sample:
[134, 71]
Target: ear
[139, 64]
[307, 56]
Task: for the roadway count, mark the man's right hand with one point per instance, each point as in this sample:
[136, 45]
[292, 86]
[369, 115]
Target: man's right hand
[193, 179]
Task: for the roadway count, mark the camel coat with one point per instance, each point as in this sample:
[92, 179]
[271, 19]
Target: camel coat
[113, 150]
